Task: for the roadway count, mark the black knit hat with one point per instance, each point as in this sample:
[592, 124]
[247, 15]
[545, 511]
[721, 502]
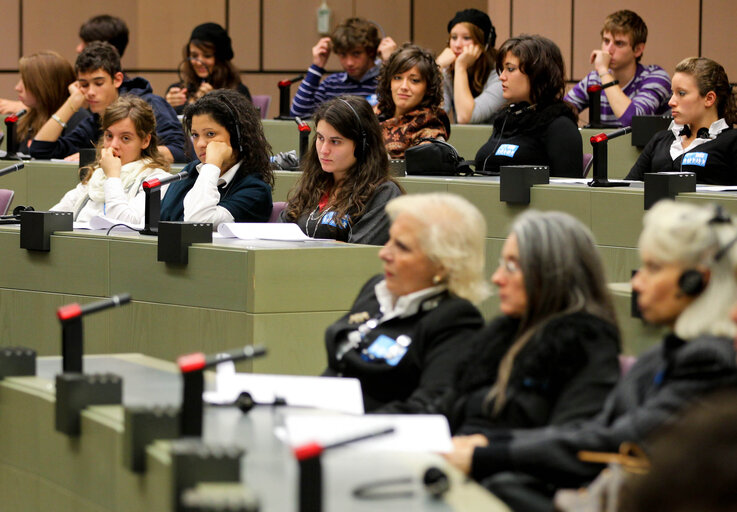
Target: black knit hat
[216, 35]
[478, 18]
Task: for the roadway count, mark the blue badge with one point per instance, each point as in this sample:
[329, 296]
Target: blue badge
[507, 150]
[386, 348]
[695, 159]
[329, 219]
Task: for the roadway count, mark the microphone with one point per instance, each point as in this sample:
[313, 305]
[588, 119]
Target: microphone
[199, 361]
[156, 183]
[314, 449]
[13, 118]
[12, 168]
[74, 310]
[287, 83]
[601, 137]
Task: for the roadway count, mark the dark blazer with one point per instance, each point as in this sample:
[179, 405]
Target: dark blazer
[439, 334]
[563, 373]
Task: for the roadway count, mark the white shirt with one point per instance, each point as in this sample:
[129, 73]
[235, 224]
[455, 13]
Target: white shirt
[201, 202]
[677, 149]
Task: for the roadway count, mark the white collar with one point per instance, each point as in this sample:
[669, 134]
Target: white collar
[226, 178]
[677, 149]
[405, 305]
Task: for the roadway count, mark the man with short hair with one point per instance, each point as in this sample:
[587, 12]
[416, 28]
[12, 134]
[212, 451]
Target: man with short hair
[355, 42]
[642, 90]
[99, 82]
[104, 28]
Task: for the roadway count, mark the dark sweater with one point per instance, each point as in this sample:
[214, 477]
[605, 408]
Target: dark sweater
[526, 136]
[563, 373]
[439, 334]
[87, 133]
[247, 197]
[661, 384]
[719, 168]
[192, 88]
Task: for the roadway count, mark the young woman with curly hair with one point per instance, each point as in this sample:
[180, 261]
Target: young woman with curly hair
[345, 179]
[231, 179]
[410, 92]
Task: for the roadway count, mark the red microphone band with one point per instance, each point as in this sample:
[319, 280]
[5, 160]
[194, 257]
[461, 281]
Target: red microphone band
[151, 183]
[308, 451]
[69, 311]
[285, 83]
[601, 137]
[593, 88]
[191, 362]
[11, 119]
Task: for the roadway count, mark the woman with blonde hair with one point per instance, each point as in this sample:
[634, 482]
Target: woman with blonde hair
[43, 88]
[408, 328]
[127, 155]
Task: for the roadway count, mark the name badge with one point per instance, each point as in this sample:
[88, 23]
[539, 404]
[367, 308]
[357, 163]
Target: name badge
[695, 159]
[507, 150]
[330, 219]
[383, 347]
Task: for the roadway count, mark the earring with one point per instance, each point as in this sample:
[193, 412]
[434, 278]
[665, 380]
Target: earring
[437, 279]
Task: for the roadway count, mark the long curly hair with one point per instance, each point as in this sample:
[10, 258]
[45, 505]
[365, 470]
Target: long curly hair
[402, 60]
[238, 115]
[369, 171]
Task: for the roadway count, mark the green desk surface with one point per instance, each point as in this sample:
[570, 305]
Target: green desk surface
[44, 470]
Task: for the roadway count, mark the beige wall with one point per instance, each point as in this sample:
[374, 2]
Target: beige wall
[272, 38]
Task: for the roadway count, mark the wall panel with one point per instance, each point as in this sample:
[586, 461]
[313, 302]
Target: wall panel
[431, 19]
[10, 35]
[553, 21]
[720, 21]
[245, 31]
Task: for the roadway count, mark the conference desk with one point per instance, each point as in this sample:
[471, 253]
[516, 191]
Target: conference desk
[231, 293]
[44, 470]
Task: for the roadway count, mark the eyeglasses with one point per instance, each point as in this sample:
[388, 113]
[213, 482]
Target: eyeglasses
[509, 266]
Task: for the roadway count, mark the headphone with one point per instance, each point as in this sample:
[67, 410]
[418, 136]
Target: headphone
[434, 480]
[234, 120]
[692, 282]
[362, 146]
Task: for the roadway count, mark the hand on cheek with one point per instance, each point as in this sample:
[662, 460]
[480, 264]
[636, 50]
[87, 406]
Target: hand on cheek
[217, 153]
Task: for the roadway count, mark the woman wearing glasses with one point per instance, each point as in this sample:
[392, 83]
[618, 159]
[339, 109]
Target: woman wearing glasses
[552, 355]
[207, 66]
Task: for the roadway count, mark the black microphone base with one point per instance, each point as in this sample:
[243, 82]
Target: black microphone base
[149, 231]
[607, 183]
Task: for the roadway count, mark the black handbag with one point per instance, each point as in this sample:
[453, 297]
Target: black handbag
[438, 158]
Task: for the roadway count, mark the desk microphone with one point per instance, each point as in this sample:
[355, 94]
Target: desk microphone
[12, 168]
[287, 83]
[601, 137]
[154, 183]
[74, 310]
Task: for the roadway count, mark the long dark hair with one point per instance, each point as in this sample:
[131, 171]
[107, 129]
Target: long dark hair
[223, 75]
[540, 59]
[230, 108]
[403, 59]
[370, 170]
[479, 72]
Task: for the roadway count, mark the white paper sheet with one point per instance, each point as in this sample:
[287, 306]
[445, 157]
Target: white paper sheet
[412, 432]
[102, 222]
[330, 393]
[283, 231]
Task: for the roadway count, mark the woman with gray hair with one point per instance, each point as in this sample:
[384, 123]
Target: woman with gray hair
[552, 356]
[409, 327]
[685, 283]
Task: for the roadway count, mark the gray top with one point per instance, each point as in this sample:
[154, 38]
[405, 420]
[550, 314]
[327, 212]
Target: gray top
[485, 104]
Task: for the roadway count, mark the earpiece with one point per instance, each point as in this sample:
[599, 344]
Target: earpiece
[234, 120]
[362, 145]
[692, 282]
[436, 482]
[245, 402]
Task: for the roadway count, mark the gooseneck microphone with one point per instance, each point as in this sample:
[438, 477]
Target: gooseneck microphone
[599, 148]
[284, 86]
[10, 133]
[601, 137]
[155, 183]
[74, 310]
[12, 168]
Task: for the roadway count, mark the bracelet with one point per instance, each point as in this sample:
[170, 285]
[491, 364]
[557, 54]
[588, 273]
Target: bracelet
[58, 120]
[609, 84]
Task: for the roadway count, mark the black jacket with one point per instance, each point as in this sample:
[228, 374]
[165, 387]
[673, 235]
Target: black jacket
[563, 373]
[720, 167]
[439, 332]
[661, 384]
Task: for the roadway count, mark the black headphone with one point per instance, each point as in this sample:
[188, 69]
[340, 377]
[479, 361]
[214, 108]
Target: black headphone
[435, 481]
[701, 133]
[362, 146]
[692, 282]
[234, 120]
